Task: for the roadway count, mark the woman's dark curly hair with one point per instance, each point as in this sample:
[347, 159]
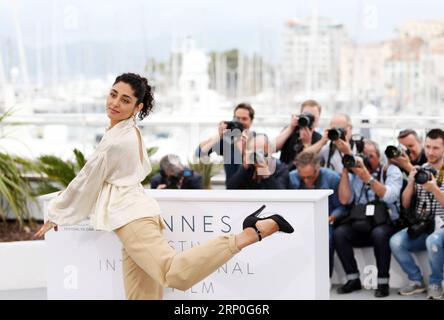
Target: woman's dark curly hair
[142, 91]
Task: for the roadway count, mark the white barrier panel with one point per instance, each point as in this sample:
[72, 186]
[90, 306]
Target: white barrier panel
[22, 265]
[86, 264]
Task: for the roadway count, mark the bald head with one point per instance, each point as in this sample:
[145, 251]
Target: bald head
[340, 120]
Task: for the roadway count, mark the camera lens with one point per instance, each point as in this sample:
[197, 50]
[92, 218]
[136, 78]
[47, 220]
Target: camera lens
[422, 176]
[306, 120]
[334, 134]
[303, 121]
[235, 126]
[392, 152]
[348, 161]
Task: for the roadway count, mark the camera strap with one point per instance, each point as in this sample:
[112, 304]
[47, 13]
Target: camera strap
[440, 178]
[433, 205]
[367, 188]
[362, 191]
[432, 211]
[331, 151]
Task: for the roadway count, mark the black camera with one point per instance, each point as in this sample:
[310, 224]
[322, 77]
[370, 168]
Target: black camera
[420, 227]
[394, 152]
[336, 134]
[350, 162]
[424, 175]
[306, 120]
[358, 141]
[235, 124]
[173, 182]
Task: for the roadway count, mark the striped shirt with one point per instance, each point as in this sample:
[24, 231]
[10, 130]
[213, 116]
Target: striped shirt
[428, 201]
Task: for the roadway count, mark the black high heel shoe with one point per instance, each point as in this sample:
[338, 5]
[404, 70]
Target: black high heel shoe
[250, 222]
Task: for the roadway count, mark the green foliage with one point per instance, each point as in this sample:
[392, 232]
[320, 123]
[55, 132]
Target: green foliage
[151, 151]
[22, 180]
[206, 169]
[15, 190]
[57, 169]
[80, 159]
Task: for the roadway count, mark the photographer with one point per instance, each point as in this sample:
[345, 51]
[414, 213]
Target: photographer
[310, 175]
[374, 192]
[173, 175]
[300, 133]
[424, 195]
[259, 170]
[336, 141]
[229, 140]
[414, 154]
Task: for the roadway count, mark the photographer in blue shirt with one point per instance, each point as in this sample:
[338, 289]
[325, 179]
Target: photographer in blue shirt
[310, 175]
[374, 191]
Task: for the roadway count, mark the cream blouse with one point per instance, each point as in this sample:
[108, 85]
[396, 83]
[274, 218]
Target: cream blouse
[108, 189]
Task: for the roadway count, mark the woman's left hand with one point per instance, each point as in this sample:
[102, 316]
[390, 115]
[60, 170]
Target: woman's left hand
[44, 229]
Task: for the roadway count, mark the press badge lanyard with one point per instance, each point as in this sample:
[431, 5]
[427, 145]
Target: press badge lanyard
[370, 208]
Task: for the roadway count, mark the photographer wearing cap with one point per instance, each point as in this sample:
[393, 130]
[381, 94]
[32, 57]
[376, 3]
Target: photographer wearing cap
[410, 154]
[336, 141]
[374, 192]
[310, 175]
[424, 196]
[259, 170]
[174, 175]
[300, 133]
[230, 139]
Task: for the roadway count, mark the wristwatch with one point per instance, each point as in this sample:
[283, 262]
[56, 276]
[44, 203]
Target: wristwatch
[371, 181]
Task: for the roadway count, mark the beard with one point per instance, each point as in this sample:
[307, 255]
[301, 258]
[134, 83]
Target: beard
[434, 160]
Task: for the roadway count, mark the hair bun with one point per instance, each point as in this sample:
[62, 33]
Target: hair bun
[142, 90]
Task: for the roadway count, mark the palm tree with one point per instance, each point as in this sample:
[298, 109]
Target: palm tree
[15, 190]
[56, 171]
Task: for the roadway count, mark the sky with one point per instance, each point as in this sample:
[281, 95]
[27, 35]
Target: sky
[251, 25]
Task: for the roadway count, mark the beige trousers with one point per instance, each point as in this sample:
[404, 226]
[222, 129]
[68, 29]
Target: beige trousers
[150, 263]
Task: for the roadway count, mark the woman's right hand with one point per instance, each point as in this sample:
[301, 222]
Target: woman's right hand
[44, 229]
